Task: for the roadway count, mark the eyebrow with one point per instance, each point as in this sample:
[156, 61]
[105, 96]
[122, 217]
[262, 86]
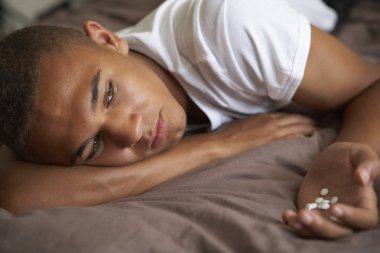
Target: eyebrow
[95, 90]
[94, 102]
[79, 152]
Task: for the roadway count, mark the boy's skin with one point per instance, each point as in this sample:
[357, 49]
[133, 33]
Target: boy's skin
[147, 115]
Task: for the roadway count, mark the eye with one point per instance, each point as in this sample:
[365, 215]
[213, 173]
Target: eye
[109, 93]
[94, 146]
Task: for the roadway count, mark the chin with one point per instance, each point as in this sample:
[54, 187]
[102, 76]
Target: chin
[180, 131]
[175, 140]
[176, 137]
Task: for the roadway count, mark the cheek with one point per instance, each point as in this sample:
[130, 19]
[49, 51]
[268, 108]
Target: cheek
[113, 156]
[177, 118]
[133, 97]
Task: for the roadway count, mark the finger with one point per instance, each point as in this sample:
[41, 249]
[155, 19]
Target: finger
[368, 172]
[322, 227]
[290, 119]
[296, 131]
[294, 125]
[358, 218]
[291, 219]
[367, 163]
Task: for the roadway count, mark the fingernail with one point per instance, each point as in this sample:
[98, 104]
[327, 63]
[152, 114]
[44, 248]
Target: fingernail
[334, 219]
[307, 218]
[365, 177]
[337, 211]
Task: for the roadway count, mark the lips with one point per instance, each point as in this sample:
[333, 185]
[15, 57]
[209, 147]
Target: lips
[160, 132]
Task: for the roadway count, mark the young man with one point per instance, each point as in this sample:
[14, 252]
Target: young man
[96, 102]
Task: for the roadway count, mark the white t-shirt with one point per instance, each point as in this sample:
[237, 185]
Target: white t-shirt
[317, 12]
[233, 57]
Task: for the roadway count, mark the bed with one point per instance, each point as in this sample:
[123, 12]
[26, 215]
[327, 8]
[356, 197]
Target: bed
[234, 205]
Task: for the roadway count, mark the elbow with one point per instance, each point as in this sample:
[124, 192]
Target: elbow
[8, 205]
[12, 203]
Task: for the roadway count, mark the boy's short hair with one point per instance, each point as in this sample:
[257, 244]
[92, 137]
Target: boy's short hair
[20, 56]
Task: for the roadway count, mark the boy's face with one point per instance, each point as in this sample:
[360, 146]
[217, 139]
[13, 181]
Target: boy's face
[99, 107]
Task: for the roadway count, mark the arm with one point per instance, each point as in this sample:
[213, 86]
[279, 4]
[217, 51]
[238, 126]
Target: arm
[28, 186]
[25, 186]
[337, 77]
[334, 74]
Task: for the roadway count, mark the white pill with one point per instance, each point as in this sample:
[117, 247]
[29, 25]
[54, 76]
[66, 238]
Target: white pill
[324, 191]
[319, 200]
[311, 206]
[325, 201]
[334, 200]
[324, 206]
[333, 218]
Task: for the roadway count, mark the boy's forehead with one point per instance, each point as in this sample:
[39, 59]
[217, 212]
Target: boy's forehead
[59, 100]
[60, 75]
[52, 91]
[53, 131]
[63, 83]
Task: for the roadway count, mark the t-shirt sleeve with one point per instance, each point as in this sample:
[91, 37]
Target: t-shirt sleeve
[262, 46]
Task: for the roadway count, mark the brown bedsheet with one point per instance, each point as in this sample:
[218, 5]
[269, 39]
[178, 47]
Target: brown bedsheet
[234, 206]
[231, 206]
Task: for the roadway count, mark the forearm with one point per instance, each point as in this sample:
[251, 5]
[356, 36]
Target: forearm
[361, 119]
[26, 186]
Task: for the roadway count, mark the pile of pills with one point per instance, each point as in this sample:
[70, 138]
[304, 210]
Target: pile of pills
[321, 203]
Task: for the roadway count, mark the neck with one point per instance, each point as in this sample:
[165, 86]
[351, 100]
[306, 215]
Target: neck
[194, 114]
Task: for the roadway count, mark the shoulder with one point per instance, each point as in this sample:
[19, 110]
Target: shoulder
[247, 11]
[237, 19]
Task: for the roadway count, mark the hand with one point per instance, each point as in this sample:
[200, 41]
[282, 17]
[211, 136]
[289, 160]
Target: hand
[252, 132]
[348, 171]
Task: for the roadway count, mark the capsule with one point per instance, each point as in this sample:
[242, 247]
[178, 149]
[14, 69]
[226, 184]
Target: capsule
[324, 206]
[311, 206]
[324, 192]
[319, 200]
[334, 200]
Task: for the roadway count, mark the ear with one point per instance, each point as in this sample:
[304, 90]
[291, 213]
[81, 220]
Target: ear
[104, 37]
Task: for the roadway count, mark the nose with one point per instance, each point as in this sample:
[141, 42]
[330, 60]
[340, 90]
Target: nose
[124, 130]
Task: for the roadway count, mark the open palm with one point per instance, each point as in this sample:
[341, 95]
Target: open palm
[348, 171]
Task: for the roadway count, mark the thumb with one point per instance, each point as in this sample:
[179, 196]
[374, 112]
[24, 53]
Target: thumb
[367, 173]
